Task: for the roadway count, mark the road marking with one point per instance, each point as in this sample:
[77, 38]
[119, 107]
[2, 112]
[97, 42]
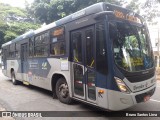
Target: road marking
[155, 100]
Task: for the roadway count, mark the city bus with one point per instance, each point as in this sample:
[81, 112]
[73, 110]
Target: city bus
[100, 55]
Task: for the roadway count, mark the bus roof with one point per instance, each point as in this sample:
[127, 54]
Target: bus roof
[95, 8]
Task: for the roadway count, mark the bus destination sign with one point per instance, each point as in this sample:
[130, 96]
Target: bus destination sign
[128, 17]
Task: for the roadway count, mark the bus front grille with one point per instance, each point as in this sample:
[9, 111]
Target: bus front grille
[140, 97]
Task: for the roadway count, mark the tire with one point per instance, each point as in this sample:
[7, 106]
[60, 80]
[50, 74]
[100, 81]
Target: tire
[62, 91]
[13, 78]
[54, 96]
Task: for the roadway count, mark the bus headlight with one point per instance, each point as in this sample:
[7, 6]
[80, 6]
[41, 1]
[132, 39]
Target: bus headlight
[122, 86]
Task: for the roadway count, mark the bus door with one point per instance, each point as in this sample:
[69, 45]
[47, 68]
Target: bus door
[83, 64]
[24, 51]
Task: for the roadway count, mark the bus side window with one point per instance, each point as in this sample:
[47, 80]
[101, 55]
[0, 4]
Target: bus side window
[57, 42]
[12, 51]
[17, 48]
[101, 58]
[31, 47]
[90, 48]
[77, 47]
[40, 45]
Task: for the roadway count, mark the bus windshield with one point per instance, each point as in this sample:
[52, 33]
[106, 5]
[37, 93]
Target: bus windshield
[131, 46]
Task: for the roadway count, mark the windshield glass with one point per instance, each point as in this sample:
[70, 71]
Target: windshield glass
[131, 46]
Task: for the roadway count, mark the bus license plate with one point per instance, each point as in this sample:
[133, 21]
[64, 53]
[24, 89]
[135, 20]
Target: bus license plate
[146, 98]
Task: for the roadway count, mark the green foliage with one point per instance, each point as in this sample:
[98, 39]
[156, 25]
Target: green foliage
[9, 35]
[6, 10]
[151, 9]
[51, 10]
[13, 23]
[22, 27]
[134, 5]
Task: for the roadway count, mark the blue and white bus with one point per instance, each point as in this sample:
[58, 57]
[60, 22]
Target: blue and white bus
[100, 55]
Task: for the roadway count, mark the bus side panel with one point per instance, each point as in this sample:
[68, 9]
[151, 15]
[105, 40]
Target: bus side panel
[58, 68]
[37, 72]
[41, 70]
[12, 64]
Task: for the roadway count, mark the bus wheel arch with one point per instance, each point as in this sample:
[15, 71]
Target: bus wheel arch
[59, 81]
[55, 78]
[13, 77]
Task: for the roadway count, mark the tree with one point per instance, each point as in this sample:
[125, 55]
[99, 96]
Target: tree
[151, 8]
[47, 11]
[134, 5]
[51, 10]
[14, 22]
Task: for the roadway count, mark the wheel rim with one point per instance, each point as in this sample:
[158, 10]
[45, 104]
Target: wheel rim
[63, 90]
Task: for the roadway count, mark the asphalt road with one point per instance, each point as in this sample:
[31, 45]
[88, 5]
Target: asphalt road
[30, 98]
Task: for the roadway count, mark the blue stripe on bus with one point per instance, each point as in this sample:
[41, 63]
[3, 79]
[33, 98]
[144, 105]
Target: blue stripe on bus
[38, 66]
[41, 67]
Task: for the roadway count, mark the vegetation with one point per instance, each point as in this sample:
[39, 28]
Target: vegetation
[151, 10]
[14, 22]
[47, 11]
[51, 10]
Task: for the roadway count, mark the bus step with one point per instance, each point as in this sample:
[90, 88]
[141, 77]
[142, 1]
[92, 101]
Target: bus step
[25, 83]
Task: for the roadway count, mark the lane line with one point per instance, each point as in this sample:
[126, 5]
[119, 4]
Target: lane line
[155, 100]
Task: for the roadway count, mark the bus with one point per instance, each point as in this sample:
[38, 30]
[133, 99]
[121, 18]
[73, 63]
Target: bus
[100, 55]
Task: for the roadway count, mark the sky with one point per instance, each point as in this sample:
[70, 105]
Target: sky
[16, 3]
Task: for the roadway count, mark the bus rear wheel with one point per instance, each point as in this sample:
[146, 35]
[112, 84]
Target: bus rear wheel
[13, 78]
[62, 91]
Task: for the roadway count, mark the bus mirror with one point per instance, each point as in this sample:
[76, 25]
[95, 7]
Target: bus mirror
[101, 14]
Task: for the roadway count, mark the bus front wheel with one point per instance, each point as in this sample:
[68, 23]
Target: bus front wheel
[62, 91]
[13, 78]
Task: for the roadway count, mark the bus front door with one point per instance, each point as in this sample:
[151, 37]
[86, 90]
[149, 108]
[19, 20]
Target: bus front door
[83, 64]
[24, 61]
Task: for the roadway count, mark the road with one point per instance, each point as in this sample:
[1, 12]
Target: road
[29, 98]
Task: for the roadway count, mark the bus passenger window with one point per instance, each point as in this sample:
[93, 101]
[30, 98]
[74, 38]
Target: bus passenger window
[89, 48]
[77, 47]
[17, 48]
[101, 58]
[41, 45]
[41, 51]
[57, 42]
[31, 47]
[58, 48]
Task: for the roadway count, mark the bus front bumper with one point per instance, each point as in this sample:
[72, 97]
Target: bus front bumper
[119, 101]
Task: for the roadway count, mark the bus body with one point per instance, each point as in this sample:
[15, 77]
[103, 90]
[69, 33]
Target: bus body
[100, 55]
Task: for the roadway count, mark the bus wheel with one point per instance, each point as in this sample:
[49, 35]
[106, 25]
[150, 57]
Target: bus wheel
[13, 78]
[62, 91]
